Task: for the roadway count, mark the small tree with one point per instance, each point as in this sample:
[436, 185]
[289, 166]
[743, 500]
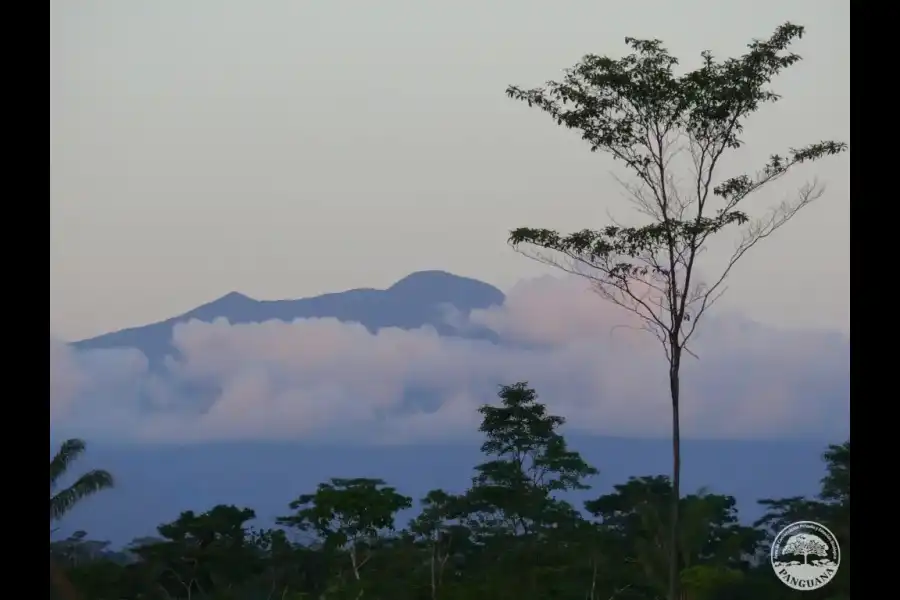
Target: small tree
[440, 531]
[529, 462]
[638, 110]
[805, 544]
[202, 553]
[349, 515]
[518, 521]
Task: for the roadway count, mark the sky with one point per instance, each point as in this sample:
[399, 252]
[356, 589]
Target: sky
[286, 149]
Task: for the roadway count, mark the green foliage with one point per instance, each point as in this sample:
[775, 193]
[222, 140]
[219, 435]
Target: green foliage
[352, 517]
[88, 484]
[510, 535]
[713, 546]
[347, 511]
[203, 553]
[62, 501]
[530, 461]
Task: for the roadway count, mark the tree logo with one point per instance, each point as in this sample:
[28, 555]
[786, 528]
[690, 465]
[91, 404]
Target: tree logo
[805, 555]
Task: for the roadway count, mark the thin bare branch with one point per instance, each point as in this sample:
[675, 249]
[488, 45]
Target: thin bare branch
[757, 231]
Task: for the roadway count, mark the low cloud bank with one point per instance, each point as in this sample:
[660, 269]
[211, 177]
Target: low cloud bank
[322, 379]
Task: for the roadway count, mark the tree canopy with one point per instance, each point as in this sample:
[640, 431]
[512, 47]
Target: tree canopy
[515, 533]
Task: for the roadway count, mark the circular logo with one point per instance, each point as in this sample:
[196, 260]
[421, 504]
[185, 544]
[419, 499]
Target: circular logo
[805, 555]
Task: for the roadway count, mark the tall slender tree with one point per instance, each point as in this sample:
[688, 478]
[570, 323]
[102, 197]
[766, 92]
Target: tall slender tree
[671, 130]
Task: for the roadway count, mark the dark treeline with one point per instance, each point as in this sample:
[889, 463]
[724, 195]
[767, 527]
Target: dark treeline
[509, 536]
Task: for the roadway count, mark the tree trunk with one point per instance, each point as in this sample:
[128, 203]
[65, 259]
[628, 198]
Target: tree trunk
[433, 570]
[675, 390]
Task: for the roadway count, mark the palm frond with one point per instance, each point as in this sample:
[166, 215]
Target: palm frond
[88, 484]
[68, 452]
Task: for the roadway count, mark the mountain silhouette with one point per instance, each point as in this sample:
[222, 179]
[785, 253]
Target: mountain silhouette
[160, 480]
[424, 298]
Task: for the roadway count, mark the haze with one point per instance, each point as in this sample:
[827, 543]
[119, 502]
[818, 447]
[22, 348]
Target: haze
[287, 148]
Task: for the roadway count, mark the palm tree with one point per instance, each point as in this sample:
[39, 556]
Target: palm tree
[63, 501]
[86, 485]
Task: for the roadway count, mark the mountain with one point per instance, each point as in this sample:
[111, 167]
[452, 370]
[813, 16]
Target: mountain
[157, 481]
[417, 300]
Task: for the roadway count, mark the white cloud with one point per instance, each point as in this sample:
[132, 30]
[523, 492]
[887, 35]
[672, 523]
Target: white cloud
[321, 378]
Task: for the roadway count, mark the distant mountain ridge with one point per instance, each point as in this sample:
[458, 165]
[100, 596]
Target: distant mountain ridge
[417, 300]
[157, 481]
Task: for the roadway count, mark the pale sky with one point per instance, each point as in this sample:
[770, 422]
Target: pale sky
[288, 148]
